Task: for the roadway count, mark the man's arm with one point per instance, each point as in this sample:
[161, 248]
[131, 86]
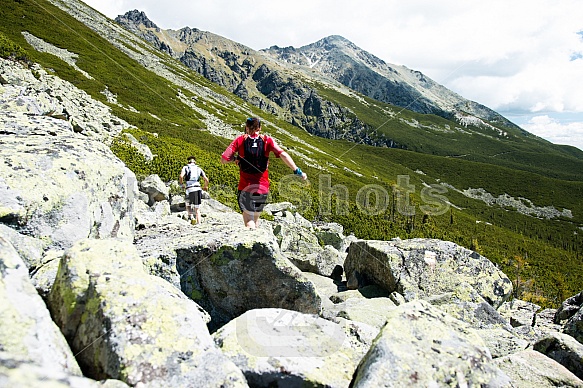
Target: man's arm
[205, 187]
[284, 156]
[229, 154]
[181, 177]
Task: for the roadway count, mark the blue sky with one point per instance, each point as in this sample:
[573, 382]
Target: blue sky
[522, 58]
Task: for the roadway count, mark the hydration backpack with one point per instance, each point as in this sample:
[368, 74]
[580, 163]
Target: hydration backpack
[189, 174]
[253, 160]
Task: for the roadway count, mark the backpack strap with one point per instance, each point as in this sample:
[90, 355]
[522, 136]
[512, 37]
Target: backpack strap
[241, 149]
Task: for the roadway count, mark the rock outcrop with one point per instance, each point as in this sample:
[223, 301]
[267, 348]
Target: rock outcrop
[227, 269]
[421, 268]
[28, 333]
[126, 324]
[58, 184]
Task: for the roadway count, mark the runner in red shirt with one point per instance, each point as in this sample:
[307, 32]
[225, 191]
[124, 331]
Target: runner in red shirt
[251, 153]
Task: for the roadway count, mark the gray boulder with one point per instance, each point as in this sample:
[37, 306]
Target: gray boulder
[569, 307]
[564, 349]
[278, 347]
[465, 304]
[27, 331]
[80, 188]
[323, 261]
[126, 324]
[301, 244]
[330, 234]
[160, 240]
[529, 368]
[421, 345]
[22, 373]
[574, 326]
[156, 190]
[518, 312]
[419, 268]
[142, 149]
[227, 268]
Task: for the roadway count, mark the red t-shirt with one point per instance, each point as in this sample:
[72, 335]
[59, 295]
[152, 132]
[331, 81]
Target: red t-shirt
[259, 182]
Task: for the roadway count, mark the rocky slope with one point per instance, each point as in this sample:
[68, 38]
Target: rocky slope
[136, 296]
[342, 60]
[254, 77]
[282, 80]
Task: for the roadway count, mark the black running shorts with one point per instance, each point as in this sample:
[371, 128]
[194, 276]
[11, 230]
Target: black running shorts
[252, 202]
[194, 198]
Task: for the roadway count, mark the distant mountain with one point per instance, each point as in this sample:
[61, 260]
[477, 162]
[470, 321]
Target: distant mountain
[363, 72]
[323, 88]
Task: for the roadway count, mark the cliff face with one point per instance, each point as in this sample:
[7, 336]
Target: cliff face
[133, 294]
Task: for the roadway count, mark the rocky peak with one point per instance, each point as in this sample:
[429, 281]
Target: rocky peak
[136, 18]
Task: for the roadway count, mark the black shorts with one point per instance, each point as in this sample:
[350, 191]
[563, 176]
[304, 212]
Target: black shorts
[253, 202]
[194, 198]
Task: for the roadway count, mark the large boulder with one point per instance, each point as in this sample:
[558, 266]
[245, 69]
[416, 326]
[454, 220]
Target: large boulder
[22, 373]
[570, 316]
[278, 347]
[325, 261]
[421, 345]
[465, 304]
[126, 324]
[27, 331]
[59, 186]
[229, 269]
[156, 190]
[420, 268]
[301, 243]
[574, 326]
[563, 349]
[569, 307]
[529, 368]
[330, 234]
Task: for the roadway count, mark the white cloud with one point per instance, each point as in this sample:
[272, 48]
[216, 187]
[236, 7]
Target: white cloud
[556, 132]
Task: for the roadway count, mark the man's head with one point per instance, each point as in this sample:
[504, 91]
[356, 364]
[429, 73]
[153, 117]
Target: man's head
[252, 124]
[191, 159]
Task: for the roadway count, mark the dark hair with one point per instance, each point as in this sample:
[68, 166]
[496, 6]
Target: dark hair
[191, 158]
[253, 123]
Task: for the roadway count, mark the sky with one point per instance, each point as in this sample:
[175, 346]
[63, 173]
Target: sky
[522, 58]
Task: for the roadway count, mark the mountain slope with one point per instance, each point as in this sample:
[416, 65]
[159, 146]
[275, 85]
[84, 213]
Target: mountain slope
[310, 87]
[481, 203]
[363, 72]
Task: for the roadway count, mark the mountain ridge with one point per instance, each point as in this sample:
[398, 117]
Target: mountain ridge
[324, 105]
[433, 97]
